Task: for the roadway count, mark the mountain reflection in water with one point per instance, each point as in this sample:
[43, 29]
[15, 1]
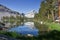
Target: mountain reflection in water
[27, 28]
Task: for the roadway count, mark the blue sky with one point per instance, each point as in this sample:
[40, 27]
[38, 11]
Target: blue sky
[22, 6]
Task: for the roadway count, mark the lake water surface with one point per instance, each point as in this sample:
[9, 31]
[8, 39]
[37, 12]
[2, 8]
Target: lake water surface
[26, 28]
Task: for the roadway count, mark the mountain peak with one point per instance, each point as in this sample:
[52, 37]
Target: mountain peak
[1, 5]
[5, 9]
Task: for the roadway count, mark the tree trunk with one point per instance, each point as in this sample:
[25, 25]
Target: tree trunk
[52, 15]
[59, 11]
[59, 8]
[48, 15]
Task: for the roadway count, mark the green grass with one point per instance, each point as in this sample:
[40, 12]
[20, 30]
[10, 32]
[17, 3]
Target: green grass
[54, 26]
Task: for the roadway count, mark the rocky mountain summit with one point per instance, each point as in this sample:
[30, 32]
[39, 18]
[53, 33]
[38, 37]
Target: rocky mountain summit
[5, 9]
